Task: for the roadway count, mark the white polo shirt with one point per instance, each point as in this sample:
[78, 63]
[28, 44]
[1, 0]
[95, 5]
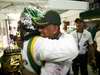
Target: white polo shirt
[82, 40]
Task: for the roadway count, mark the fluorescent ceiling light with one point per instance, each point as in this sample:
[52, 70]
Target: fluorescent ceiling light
[94, 19]
[67, 4]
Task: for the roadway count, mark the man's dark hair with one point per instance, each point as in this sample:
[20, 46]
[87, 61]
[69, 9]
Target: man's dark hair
[52, 17]
[78, 20]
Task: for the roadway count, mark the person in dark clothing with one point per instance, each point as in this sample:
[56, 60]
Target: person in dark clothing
[97, 47]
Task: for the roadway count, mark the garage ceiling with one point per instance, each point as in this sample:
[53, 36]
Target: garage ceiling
[15, 6]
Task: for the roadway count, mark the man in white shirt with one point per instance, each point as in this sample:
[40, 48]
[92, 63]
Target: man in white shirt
[51, 52]
[83, 39]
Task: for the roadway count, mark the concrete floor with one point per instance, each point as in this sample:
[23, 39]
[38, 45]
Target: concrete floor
[90, 71]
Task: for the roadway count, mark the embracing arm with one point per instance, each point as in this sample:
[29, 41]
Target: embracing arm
[57, 50]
